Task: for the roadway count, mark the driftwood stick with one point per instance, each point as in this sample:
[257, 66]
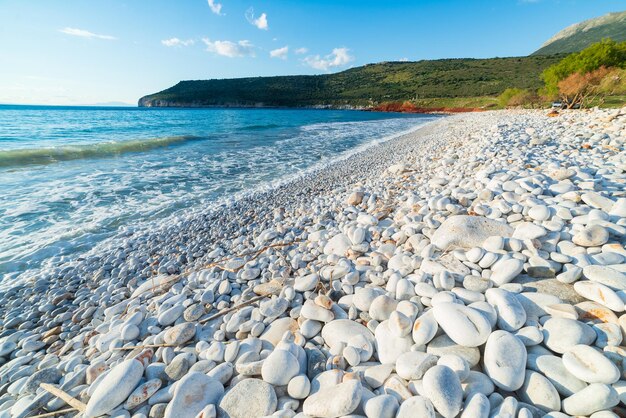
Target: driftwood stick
[53, 413]
[73, 402]
[132, 347]
[233, 308]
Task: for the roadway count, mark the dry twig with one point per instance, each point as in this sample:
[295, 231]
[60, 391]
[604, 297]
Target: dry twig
[70, 400]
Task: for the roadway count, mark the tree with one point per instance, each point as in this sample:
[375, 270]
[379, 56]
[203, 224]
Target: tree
[578, 88]
[606, 53]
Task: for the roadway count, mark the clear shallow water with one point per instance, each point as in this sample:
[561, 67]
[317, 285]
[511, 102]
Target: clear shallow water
[71, 177]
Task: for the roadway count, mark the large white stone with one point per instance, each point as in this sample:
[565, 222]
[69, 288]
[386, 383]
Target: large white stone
[248, 398]
[334, 401]
[389, 346]
[590, 365]
[538, 391]
[595, 397]
[511, 313]
[464, 325]
[505, 360]
[193, 392]
[115, 388]
[463, 231]
[443, 387]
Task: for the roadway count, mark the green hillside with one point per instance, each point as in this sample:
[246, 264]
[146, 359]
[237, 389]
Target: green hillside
[580, 35]
[363, 86]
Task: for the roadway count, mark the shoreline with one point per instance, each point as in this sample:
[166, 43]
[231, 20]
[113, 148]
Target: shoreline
[364, 270]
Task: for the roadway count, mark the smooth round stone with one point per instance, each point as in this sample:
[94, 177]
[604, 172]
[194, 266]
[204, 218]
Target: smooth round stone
[599, 293]
[180, 333]
[539, 213]
[591, 236]
[464, 325]
[463, 231]
[442, 345]
[506, 270]
[416, 406]
[589, 365]
[142, 393]
[505, 360]
[552, 367]
[335, 401]
[538, 391]
[424, 328]
[561, 334]
[443, 387]
[457, 364]
[50, 375]
[608, 334]
[594, 312]
[337, 245]
[274, 307]
[382, 307]
[388, 346]
[399, 324]
[340, 331]
[130, 332]
[248, 398]
[277, 328]
[364, 296]
[511, 313]
[306, 283]
[529, 335]
[475, 254]
[280, 367]
[596, 200]
[595, 397]
[529, 230]
[382, 406]
[315, 312]
[413, 364]
[310, 328]
[375, 376]
[114, 388]
[299, 387]
[606, 276]
[476, 406]
[193, 392]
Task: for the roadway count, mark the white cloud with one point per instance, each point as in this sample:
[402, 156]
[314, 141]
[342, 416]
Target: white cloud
[85, 34]
[215, 7]
[301, 51]
[280, 53]
[230, 49]
[177, 42]
[404, 59]
[260, 22]
[337, 58]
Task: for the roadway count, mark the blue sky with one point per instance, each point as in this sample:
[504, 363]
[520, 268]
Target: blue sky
[95, 51]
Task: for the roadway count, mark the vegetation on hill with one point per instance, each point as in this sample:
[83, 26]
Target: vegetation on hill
[579, 36]
[598, 70]
[367, 86]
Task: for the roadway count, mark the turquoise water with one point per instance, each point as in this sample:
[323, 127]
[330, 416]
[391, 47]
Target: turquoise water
[71, 177]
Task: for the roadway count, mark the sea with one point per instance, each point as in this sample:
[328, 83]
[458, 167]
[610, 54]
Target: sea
[72, 177]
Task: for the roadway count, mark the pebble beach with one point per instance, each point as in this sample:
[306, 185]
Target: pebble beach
[473, 268]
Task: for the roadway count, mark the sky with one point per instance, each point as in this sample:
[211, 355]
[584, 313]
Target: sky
[71, 52]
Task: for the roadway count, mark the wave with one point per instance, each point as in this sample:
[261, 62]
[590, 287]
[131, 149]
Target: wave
[29, 156]
[260, 127]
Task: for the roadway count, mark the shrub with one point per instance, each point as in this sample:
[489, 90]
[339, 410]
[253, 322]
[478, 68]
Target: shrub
[606, 53]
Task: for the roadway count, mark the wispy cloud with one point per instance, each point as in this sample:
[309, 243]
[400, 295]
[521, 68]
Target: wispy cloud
[280, 53]
[177, 42]
[260, 22]
[86, 34]
[215, 7]
[230, 49]
[337, 58]
[301, 51]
